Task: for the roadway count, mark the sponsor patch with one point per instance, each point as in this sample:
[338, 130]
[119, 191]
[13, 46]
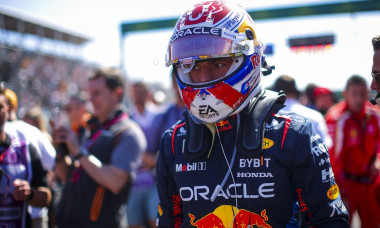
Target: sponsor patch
[267, 143]
[333, 192]
[327, 175]
[301, 201]
[188, 167]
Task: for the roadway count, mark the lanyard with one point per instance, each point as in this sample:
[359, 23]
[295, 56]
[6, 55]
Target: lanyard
[95, 136]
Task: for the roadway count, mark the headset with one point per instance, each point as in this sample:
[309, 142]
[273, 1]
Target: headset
[375, 100]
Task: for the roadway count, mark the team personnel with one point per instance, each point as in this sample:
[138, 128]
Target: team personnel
[375, 85]
[354, 127]
[98, 175]
[237, 160]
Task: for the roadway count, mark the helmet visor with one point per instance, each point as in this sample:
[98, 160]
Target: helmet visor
[200, 47]
[214, 76]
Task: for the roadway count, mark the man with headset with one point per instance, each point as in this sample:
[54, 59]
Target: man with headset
[375, 85]
[237, 159]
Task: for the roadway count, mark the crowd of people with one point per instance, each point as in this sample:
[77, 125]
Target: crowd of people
[42, 80]
[224, 152]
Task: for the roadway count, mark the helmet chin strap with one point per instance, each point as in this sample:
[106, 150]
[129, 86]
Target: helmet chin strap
[376, 100]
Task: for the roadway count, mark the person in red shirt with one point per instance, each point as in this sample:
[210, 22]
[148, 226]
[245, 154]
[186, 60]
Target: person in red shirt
[353, 124]
[323, 99]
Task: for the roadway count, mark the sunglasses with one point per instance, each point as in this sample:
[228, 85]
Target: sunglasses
[376, 76]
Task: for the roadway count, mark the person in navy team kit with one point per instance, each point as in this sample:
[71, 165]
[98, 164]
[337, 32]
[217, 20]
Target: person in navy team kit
[98, 174]
[237, 159]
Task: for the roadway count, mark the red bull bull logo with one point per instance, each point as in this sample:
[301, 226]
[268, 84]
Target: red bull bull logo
[209, 220]
[226, 216]
[246, 218]
[223, 125]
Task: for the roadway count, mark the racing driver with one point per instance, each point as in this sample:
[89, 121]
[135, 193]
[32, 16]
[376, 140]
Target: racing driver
[236, 159]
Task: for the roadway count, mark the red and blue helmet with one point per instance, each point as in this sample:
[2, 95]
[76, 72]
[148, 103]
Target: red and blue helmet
[216, 29]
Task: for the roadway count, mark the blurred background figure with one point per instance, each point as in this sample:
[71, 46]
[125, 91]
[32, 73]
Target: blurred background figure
[22, 176]
[354, 127]
[307, 96]
[287, 84]
[143, 110]
[165, 119]
[32, 133]
[78, 116]
[41, 143]
[375, 84]
[98, 174]
[323, 99]
[143, 200]
[36, 118]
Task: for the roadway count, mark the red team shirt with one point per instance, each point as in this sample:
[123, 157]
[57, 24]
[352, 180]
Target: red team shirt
[356, 146]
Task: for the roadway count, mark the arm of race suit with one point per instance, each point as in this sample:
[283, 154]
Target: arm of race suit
[170, 209]
[316, 189]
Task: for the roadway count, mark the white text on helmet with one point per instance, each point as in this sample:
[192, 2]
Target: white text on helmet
[196, 31]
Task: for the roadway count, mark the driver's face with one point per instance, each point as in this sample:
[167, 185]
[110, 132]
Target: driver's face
[210, 70]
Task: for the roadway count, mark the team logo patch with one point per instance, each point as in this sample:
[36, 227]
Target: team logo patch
[333, 192]
[226, 215]
[267, 143]
[223, 125]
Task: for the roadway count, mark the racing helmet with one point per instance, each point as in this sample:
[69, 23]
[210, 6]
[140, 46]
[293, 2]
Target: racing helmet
[216, 29]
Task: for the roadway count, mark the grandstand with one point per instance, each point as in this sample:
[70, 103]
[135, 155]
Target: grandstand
[42, 63]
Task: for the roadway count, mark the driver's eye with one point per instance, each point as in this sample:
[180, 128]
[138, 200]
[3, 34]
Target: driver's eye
[218, 65]
[196, 67]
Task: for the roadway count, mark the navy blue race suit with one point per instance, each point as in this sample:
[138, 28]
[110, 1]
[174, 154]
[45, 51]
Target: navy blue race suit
[226, 187]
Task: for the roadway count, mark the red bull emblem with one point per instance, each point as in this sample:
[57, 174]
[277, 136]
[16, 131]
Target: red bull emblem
[209, 220]
[223, 125]
[246, 218]
[229, 216]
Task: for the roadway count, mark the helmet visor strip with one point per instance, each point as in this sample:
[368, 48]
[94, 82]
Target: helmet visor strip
[184, 74]
[198, 47]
